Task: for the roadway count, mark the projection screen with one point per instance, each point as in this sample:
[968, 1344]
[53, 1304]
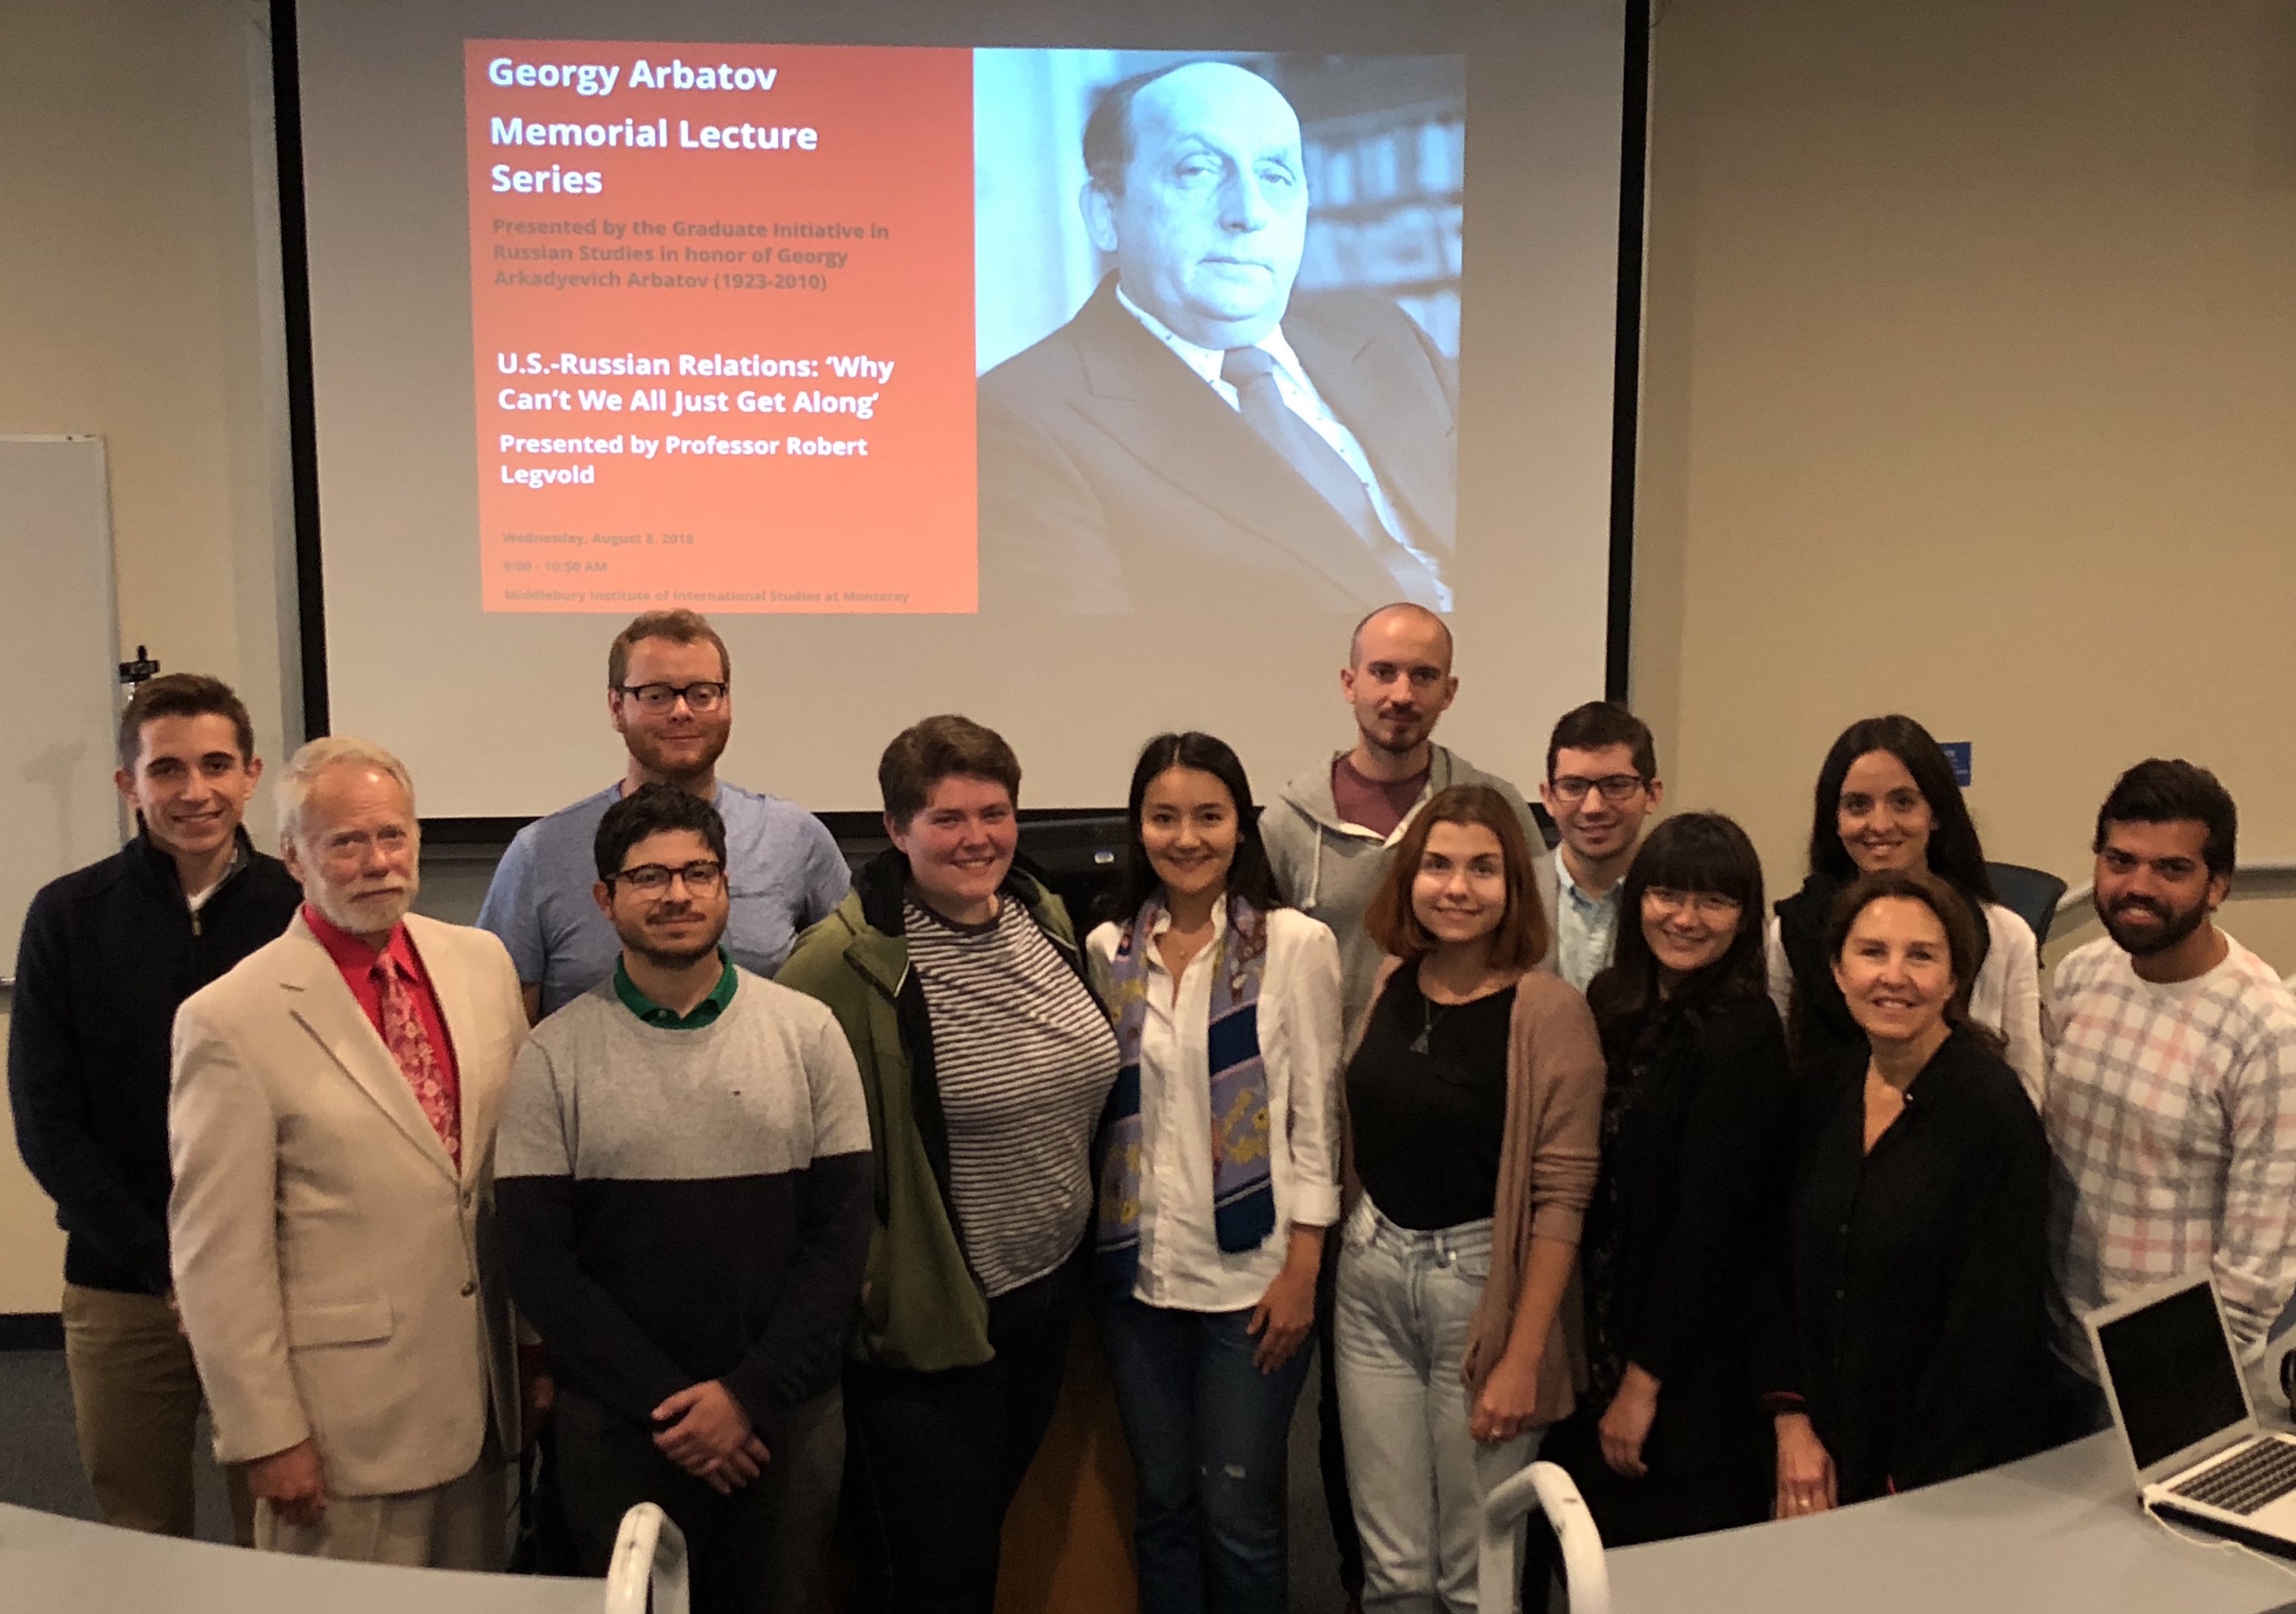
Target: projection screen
[1089, 369]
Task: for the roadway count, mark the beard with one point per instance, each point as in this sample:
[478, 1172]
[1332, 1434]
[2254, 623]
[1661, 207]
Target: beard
[656, 759]
[666, 958]
[2174, 927]
[1398, 735]
[362, 918]
[634, 936]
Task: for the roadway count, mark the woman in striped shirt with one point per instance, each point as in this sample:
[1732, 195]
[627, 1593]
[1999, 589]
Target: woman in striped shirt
[986, 1061]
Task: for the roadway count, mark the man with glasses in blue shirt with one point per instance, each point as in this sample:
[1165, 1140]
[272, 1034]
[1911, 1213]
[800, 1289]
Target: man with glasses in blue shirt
[669, 695]
[1601, 783]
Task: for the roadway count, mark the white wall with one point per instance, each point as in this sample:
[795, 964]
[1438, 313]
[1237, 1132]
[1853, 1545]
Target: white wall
[131, 165]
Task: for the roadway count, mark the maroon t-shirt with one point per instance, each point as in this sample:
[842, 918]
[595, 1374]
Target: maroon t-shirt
[1375, 804]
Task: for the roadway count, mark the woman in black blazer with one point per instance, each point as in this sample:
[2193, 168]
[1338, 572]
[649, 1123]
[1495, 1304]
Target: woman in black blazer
[1669, 1439]
[1905, 1328]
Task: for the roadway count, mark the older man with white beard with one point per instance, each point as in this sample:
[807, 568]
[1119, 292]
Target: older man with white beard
[330, 1126]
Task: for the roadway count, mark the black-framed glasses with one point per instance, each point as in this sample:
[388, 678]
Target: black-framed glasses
[661, 697]
[1613, 788]
[701, 876]
[1706, 905]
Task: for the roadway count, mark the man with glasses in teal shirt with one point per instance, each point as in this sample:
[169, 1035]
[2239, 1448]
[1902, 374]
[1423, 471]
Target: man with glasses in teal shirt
[669, 695]
[1601, 783]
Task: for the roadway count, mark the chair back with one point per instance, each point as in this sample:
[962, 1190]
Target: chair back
[649, 1558]
[1545, 1487]
[2032, 894]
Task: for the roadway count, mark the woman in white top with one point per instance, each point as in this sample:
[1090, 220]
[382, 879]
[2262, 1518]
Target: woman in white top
[1220, 1174]
[1886, 799]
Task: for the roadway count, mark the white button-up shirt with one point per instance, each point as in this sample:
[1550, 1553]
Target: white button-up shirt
[1301, 397]
[1586, 928]
[1182, 1265]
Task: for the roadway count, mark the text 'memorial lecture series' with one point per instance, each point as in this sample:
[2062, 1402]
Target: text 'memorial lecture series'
[722, 326]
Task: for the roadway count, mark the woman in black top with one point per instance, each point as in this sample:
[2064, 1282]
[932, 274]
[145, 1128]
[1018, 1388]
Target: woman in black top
[1886, 798]
[1911, 1350]
[1669, 1439]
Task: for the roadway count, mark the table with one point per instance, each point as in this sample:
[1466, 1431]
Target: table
[2058, 1531]
[67, 1566]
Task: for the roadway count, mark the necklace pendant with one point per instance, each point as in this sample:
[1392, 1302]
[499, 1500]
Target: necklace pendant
[1418, 1044]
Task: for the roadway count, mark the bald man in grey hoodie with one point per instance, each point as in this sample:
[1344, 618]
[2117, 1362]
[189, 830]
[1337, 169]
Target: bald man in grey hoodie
[1330, 834]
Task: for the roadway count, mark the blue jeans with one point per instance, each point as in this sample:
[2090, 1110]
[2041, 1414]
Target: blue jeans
[1419, 1478]
[1209, 1438]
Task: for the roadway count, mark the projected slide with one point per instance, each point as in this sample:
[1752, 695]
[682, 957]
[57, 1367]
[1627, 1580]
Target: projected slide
[722, 315]
[852, 329]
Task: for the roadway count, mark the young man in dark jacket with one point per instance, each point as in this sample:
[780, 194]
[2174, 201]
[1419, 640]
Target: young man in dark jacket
[108, 953]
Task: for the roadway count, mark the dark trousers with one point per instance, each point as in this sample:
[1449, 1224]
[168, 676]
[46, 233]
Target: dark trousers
[1209, 1436]
[758, 1551]
[2073, 1408]
[934, 1459]
[1662, 1505]
[1331, 1451]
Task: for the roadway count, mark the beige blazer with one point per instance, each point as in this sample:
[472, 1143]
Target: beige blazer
[325, 1249]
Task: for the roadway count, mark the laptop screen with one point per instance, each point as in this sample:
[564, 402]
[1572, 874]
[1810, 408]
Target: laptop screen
[2173, 1373]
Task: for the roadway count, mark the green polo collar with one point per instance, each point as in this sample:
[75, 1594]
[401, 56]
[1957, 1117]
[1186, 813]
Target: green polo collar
[705, 1012]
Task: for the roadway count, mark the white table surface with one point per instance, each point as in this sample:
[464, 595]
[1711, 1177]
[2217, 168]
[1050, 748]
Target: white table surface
[2061, 1531]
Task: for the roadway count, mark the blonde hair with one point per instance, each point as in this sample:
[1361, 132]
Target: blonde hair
[314, 757]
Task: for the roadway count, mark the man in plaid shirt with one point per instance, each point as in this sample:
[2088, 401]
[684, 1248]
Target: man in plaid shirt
[2172, 1084]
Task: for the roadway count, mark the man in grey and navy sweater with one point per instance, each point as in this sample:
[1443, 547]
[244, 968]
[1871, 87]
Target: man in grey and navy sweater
[682, 1192]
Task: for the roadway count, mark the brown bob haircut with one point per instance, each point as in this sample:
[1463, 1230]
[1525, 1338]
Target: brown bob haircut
[679, 627]
[1521, 940]
[1939, 897]
[925, 753]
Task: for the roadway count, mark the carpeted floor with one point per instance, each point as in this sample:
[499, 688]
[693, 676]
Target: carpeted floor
[39, 1454]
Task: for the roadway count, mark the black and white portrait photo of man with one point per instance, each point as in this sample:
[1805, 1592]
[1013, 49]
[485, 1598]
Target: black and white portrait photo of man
[1197, 437]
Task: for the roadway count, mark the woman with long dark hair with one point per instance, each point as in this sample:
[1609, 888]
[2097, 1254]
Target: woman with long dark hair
[1905, 1335]
[1669, 1439]
[1220, 1175]
[1886, 799]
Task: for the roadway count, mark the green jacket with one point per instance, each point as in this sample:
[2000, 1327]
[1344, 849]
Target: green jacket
[921, 1308]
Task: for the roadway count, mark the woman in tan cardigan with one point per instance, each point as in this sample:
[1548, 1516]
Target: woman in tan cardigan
[1475, 1096]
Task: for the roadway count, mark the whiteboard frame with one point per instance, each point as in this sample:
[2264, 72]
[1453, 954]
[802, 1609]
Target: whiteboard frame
[12, 925]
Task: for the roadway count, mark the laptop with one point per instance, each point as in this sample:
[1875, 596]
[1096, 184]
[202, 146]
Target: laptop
[2182, 1407]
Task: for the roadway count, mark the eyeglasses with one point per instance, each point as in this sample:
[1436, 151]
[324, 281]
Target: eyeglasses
[700, 876]
[1706, 905]
[1613, 788]
[661, 697]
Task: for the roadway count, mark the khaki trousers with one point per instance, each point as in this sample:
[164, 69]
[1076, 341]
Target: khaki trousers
[463, 1524]
[136, 1404]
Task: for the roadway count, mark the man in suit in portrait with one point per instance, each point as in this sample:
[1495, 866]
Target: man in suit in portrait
[331, 1125]
[1196, 437]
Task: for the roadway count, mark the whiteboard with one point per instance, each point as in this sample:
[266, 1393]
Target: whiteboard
[59, 670]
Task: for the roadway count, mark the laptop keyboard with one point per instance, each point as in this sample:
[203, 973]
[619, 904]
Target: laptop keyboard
[2258, 1476]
